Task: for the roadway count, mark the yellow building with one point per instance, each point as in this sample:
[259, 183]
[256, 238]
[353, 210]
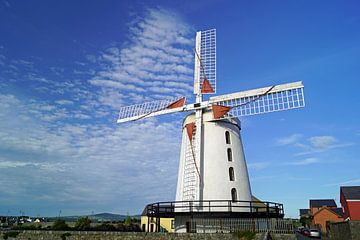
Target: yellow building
[148, 224]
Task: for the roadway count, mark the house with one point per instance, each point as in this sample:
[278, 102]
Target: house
[350, 202]
[326, 214]
[317, 204]
[148, 224]
[305, 212]
[324, 210]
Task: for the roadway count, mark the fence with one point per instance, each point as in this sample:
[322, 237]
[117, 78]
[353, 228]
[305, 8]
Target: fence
[228, 225]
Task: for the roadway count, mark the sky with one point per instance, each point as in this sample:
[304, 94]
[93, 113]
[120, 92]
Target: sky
[66, 67]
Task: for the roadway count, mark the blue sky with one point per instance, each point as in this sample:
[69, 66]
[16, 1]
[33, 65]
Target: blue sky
[66, 67]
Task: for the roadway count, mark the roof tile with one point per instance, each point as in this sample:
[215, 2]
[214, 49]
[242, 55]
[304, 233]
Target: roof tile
[351, 192]
[322, 202]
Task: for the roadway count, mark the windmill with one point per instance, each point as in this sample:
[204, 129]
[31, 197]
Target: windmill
[212, 163]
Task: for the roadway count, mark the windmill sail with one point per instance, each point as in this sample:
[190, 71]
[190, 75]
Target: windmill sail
[205, 62]
[149, 109]
[261, 100]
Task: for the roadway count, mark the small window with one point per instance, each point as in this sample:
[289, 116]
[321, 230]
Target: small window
[172, 224]
[229, 154]
[233, 195]
[231, 174]
[227, 137]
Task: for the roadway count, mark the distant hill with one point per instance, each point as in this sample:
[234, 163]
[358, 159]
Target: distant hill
[108, 217]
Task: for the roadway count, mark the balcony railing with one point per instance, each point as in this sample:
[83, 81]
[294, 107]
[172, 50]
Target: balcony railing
[215, 208]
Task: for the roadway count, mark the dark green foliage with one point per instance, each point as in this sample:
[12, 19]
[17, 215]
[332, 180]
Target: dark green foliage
[246, 235]
[10, 234]
[64, 235]
[105, 227]
[60, 224]
[27, 227]
[83, 224]
[306, 221]
[128, 220]
[121, 227]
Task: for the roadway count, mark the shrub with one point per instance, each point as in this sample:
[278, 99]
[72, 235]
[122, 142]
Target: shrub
[10, 234]
[60, 224]
[26, 227]
[83, 224]
[105, 227]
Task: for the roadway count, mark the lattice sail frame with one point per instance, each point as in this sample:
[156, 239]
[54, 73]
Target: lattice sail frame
[252, 102]
[147, 109]
[205, 49]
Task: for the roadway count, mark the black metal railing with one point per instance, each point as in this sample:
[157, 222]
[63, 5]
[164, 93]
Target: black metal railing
[214, 207]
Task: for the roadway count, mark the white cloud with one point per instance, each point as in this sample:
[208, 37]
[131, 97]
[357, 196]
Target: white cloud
[314, 144]
[292, 139]
[158, 59]
[72, 145]
[12, 164]
[64, 102]
[303, 162]
[258, 165]
[344, 183]
[74, 155]
[322, 142]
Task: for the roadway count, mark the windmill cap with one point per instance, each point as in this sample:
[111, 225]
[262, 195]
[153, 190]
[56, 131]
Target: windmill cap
[208, 117]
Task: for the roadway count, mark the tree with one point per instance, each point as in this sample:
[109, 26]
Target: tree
[60, 224]
[306, 220]
[83, 223]
[128, 220]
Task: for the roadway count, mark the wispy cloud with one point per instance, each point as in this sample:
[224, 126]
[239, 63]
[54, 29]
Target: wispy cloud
[66, 152]
[74, 154]
[294, 138]
[6, 3]
[258, 165]
[322, 142]
[68, 143]
[156, 61]
[64, 102]
[318, 144]
[344, 183]
[314, 144]
[303, 162]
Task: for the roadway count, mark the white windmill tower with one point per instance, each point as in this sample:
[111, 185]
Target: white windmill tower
[212, 164]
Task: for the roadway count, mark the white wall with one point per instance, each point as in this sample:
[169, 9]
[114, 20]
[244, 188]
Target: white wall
[214, 166]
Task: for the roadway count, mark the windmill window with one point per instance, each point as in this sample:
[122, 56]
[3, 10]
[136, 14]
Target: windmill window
[227, 137]
[231, 174]
[229, 154]
[233, 195]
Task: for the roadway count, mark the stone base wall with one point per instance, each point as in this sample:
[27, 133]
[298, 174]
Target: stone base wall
[76, 235]
[349, 230]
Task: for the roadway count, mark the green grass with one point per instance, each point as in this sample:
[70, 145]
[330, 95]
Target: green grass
[246, 235]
